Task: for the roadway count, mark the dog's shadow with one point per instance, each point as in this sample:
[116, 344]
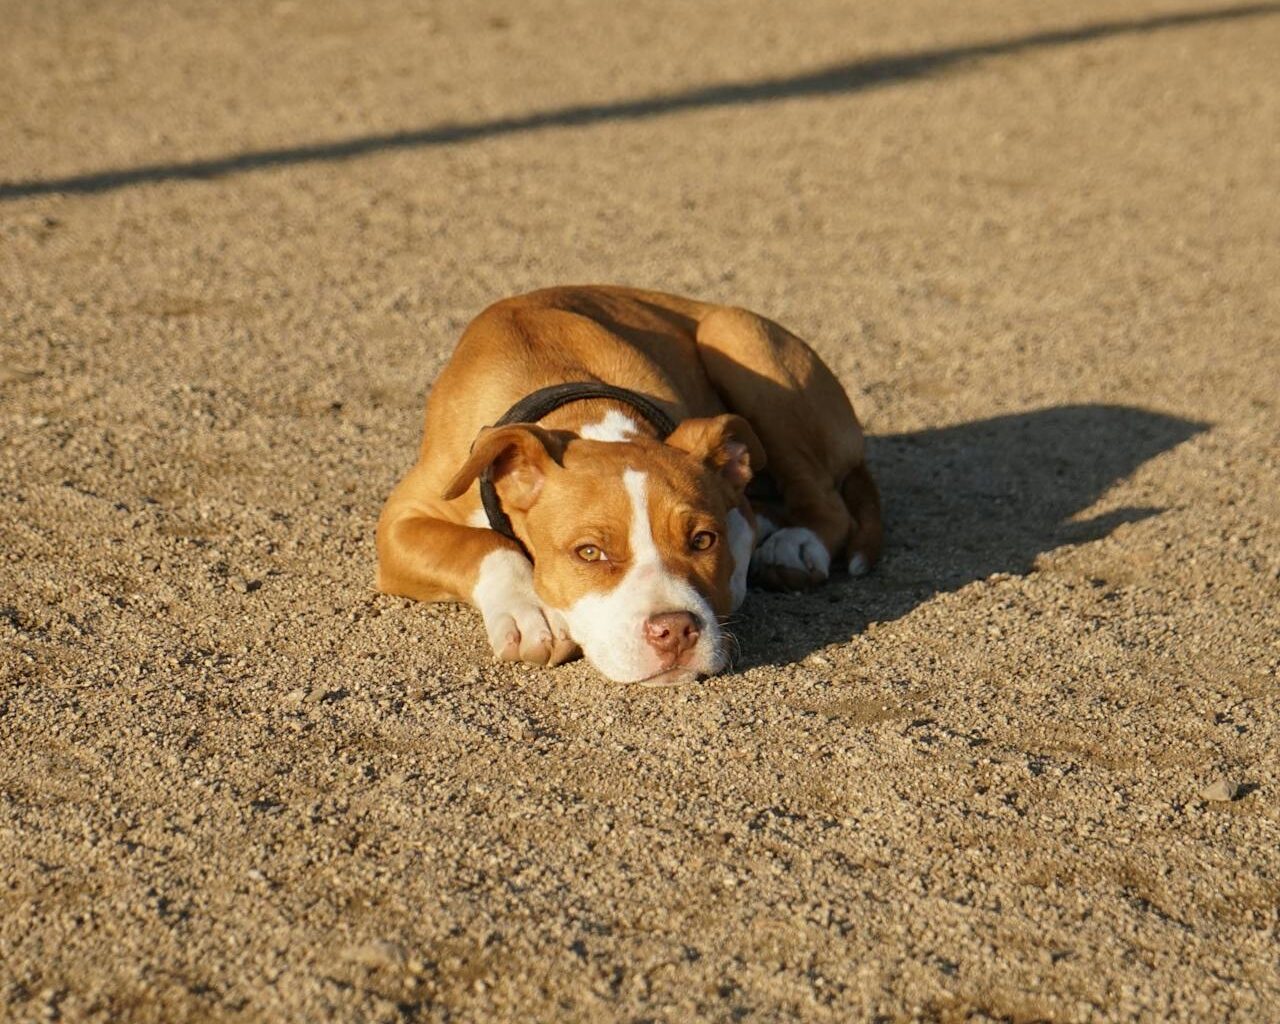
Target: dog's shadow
[962, 503]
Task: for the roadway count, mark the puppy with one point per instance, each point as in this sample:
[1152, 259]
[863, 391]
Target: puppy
[592, 477]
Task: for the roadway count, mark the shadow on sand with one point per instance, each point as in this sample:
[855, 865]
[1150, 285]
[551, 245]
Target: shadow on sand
[829, 81]
[962, 503]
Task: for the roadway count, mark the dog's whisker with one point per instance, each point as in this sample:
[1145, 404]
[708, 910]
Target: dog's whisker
[733, 649]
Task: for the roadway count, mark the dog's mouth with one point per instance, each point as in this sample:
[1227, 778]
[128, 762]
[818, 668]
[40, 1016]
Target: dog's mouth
[688, 668]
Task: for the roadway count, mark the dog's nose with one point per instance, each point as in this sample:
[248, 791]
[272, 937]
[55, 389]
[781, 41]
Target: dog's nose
[671, 632]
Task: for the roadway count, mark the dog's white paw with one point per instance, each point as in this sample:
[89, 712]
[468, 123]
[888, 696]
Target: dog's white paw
[792, 558]
[519, 627]
[528, 632]
[858, 565]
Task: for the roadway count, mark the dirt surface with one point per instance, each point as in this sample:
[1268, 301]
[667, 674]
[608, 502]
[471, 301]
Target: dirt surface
[1038, 242]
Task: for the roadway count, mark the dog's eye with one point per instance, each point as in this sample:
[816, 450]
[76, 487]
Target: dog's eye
[590, 553]
[703, 540]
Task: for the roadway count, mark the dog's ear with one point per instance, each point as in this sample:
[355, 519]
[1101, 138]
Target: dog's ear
[518, 457]
[726, 443]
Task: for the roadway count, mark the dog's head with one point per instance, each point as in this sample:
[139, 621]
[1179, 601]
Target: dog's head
[643, 546]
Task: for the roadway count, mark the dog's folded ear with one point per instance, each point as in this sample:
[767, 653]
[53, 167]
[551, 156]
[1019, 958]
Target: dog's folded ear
[517, 457]
[726, 443]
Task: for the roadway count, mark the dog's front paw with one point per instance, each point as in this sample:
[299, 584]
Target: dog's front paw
[519, 628]
[792, 558]
[530, 633]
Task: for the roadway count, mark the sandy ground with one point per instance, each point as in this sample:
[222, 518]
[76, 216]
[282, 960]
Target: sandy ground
[1039, 244]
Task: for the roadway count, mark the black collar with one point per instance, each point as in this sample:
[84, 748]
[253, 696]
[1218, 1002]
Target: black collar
[533, 407]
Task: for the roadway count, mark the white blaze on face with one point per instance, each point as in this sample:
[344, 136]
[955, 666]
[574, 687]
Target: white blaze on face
[609, 625]
[615, 426]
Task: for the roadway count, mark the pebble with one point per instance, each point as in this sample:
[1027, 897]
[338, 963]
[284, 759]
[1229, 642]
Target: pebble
[378, 954]
[1221, 790]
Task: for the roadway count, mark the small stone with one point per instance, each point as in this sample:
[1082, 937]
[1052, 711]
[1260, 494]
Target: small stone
[378, 954]
[239, 584]
[1221, 790]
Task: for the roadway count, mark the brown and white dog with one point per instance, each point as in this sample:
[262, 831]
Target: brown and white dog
[600, 534]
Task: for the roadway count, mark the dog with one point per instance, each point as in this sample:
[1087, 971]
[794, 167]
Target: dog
[604, 469]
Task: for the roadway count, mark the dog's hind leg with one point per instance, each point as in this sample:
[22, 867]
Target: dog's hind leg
[829, 506]
[862, 498]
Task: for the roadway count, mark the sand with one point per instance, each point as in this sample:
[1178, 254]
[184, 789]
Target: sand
[1025, 771]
